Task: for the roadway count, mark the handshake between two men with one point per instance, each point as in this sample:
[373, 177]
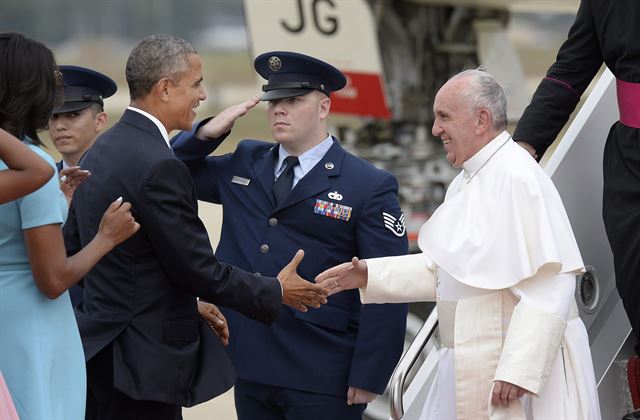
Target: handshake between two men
[297, 293]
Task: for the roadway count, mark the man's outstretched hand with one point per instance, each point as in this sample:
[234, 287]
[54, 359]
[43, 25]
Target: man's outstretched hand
[346, 276]
[298, 292]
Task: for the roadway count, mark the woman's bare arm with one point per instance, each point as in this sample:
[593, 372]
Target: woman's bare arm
[53, 271]
[27, 171]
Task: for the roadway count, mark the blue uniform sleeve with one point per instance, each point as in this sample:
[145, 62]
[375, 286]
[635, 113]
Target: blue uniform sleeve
[46, 205]
[194, 153]
[380, 232]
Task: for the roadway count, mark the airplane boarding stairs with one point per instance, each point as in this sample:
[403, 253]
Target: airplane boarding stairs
[576, 169]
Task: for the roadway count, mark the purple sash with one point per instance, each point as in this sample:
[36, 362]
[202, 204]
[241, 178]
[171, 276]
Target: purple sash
[629, 103]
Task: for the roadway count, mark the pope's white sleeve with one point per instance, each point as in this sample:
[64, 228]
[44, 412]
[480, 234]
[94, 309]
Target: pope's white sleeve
[399, 279]
[536, 329]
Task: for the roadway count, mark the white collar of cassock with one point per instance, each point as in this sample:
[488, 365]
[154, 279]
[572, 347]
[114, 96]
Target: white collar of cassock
[475, 162]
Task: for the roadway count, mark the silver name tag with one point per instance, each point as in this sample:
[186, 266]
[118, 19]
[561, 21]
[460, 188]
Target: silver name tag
[240, 180]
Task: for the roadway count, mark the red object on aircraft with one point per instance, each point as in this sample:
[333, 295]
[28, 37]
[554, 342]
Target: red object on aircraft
[363, 95]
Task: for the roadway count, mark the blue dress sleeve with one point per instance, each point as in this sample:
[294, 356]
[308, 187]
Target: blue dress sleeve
[46, 205]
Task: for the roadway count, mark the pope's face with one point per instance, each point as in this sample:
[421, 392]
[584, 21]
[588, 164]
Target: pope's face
[455, 123]
[293, 120]
[186, 94]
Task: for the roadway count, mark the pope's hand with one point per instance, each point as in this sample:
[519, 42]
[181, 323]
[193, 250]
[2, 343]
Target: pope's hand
[359, 396]
[223, 122]
[215, 320]
[346, 276]
[298, 292]
[505, 392]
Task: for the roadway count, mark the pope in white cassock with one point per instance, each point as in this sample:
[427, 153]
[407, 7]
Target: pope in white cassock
[499, 258]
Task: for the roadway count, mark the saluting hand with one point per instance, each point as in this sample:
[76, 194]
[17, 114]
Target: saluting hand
[346, 276]
[223, 122]
[298, 292]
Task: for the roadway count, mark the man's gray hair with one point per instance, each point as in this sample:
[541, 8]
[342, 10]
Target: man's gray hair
[155, 57]
[486, 93]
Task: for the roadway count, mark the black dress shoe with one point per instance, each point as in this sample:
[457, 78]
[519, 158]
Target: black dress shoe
[632, 416]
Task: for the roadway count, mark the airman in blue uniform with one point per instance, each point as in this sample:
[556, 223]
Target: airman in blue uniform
[75, 125]
[304, 192]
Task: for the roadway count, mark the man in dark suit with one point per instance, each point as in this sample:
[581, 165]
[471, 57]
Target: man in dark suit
[147, 351]
[306, 192]
[75, 125]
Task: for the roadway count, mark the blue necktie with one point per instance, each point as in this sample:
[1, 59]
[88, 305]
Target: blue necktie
[282, 186]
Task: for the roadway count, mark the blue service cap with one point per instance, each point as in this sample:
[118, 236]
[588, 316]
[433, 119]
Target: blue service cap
[83, 87]
[292, 74]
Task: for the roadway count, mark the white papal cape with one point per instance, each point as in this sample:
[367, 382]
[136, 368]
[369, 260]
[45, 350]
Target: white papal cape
[500, 259]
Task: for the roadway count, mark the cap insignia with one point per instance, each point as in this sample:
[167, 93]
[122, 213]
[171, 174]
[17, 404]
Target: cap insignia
[274, 63]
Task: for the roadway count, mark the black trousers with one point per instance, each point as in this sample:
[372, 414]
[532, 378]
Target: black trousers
[621, 215]
[256, 401]
[104, 402]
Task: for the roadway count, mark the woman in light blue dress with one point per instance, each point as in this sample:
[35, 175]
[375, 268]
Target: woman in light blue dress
[41, 355]
[26, 172]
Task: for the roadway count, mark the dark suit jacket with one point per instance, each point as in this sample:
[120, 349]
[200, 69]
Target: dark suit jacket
[140, 298]
[76, 292]
[344, 343]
